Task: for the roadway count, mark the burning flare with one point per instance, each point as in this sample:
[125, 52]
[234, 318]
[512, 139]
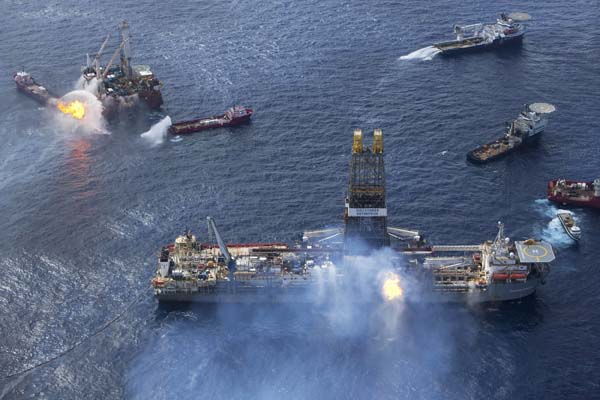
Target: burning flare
[74, 108]
[391, 287]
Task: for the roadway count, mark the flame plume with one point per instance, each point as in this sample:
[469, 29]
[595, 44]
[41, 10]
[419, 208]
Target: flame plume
[74, 108]
[391, 288]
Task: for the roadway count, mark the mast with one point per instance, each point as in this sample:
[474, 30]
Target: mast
[125, 50]
[366, 210]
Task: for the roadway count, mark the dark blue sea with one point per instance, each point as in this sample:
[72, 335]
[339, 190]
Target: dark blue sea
[82, 215]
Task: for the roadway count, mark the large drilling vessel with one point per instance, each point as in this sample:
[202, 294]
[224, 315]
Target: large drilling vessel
[122, 85]
[497, 270]
[508, 29]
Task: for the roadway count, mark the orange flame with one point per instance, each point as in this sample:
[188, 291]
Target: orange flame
[75, 108]
[391, 288]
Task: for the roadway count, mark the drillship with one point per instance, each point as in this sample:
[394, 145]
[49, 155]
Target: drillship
[498, 270]
[507, 29]
[123, 84]
[529, 124]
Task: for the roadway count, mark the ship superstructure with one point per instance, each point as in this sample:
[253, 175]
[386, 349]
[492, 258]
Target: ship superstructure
[496, 270]
[191, 271]
[507, 29]
[576, 193]
[529, 124]
[122, 84]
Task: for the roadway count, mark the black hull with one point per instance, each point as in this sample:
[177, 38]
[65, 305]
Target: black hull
[479, 47]
[472, 157]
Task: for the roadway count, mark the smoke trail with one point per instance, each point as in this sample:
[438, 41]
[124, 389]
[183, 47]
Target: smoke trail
[158, 132]
[424, 54]
[93, 120]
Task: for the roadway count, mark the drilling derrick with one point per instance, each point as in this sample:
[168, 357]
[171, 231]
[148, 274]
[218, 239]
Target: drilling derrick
[365, 214]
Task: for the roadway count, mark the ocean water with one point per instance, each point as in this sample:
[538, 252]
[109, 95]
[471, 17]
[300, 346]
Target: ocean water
[82, 214]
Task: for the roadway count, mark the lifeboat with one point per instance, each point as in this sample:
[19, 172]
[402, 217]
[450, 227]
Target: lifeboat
[517, 276]
[158, 282]
[500, 276]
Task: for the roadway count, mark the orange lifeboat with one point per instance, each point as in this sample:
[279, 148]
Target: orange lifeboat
[158, 282]
[518, 276]
[499, 276]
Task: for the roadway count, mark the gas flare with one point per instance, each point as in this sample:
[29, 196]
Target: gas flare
[391, 287]
[74, 108]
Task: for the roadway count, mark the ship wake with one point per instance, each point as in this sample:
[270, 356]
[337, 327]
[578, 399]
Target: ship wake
[553, 232]
[424, 54]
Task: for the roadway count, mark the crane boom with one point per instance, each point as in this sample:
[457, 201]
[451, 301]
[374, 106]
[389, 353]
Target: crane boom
[213, 227]
[99, 54]
[112, 59]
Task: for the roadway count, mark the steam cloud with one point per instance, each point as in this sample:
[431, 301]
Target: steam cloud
[347, 343]
[92, 122]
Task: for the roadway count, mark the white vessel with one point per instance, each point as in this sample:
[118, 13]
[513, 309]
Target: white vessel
[568, 223]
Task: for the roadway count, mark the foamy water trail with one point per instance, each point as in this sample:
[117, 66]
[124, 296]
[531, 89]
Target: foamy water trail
[158, 132]
[424, 54]
[553, 231]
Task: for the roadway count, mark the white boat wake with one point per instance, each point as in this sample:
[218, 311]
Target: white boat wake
[157, 133]
[553, 232]
[424, 54]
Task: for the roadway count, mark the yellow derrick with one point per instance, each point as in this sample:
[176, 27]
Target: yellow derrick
[357, 146]
[377, 141]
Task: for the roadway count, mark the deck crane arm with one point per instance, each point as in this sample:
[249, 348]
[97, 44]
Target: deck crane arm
[228, 258]
[99, 54]
[112, 60]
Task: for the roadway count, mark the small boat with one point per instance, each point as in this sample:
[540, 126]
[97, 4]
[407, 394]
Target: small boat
[567, 221]
[232, 117]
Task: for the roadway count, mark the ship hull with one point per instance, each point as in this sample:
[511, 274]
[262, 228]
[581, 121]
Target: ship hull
[473, 157]
[497, 292]
[198, 125]
[456, 47]
[40, 98]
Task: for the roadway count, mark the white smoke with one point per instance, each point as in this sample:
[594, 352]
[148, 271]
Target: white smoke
[93, 120]
[158, 132]
[424, 54]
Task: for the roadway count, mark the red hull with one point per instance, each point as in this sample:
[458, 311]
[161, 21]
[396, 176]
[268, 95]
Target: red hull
[219, 121]
[565, 199]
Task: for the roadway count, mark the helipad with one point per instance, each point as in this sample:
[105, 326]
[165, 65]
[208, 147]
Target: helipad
[537, 252]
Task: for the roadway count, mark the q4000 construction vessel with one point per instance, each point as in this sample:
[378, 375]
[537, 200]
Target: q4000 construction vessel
[497, 270]
[122, 84]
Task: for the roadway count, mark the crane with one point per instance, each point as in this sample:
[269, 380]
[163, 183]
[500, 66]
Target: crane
[229, 260]
[112, 60]
[98, 55]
